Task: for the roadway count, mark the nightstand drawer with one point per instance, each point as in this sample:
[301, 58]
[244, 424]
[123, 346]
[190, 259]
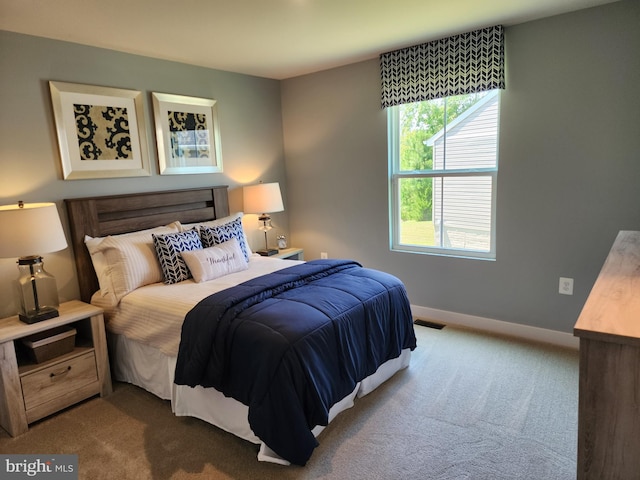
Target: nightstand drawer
[55, 380]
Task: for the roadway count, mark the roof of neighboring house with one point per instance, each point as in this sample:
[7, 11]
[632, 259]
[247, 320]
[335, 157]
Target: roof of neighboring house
[461, 120]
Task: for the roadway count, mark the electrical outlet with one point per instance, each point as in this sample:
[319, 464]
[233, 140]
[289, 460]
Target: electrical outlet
[566, 286]
[323, 255]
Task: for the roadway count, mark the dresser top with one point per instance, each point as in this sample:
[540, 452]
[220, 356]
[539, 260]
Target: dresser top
[612, 310]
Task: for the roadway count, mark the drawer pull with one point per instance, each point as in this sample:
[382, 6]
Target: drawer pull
[54, 375]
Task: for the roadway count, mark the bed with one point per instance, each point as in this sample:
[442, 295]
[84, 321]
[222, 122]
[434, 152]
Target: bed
[163, 287]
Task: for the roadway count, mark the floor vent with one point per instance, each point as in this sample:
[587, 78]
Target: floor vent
[428, 323]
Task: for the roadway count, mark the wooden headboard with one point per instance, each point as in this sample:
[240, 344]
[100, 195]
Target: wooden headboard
[114, 214]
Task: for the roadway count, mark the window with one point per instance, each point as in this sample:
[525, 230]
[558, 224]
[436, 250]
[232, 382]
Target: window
[443, 105]
[443, 156]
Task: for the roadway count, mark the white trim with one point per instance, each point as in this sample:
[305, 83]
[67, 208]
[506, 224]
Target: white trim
[553, 337]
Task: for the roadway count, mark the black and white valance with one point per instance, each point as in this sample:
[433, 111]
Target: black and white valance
[466, 63]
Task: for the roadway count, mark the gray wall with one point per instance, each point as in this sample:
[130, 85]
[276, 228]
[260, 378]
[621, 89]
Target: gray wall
[569, 176]
[249, 114]
[569, 162]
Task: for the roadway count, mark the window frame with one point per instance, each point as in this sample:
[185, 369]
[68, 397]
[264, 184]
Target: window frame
[396, 175]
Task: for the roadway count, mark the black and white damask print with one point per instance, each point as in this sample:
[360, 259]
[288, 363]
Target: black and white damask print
[103, 132]
[457, 65]
[189, 135]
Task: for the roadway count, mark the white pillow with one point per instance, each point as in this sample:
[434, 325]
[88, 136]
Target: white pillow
[100, 265]
[215, 262]
[220, 222]
[128, 261]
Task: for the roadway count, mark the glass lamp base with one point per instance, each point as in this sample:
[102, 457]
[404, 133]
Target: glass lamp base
[37, 291]
[34, 316]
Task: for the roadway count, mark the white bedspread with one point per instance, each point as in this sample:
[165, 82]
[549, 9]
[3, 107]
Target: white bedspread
[144, 335]
[153, 314]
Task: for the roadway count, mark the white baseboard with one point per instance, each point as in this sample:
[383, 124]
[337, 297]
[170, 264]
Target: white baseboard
[497, 326]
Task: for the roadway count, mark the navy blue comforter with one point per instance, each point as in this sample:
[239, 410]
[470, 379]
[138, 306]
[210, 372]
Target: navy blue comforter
[292, 343]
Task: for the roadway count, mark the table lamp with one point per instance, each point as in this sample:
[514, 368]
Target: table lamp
[263, 199]
[26, 231]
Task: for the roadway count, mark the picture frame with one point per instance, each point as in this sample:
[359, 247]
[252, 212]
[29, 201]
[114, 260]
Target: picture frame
[101, 131]
[187, 134]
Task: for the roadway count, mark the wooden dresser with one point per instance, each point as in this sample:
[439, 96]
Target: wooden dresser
[609, 332]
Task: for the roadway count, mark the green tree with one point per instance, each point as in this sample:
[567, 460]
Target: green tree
[419, 122]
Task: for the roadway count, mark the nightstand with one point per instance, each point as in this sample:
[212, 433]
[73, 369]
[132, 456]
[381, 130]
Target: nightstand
[30, 391]
[290, 254]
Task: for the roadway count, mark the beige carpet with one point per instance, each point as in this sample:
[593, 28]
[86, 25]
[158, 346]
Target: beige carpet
[470, 406]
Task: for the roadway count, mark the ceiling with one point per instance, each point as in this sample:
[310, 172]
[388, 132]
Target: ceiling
[267, 38]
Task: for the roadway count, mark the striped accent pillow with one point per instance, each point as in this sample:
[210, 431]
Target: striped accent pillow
[131, 260]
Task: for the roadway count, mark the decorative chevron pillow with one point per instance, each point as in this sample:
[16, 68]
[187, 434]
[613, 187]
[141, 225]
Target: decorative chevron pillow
[168, 248]
[214, 235]
[216, 223]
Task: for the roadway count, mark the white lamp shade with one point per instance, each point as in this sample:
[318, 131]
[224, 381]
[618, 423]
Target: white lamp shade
[32, 229]
[262, 198]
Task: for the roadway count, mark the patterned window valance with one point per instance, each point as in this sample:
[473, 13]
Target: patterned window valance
[466, 63]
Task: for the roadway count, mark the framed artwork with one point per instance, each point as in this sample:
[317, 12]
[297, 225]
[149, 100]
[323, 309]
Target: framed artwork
[187, 133]
[101, 131]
